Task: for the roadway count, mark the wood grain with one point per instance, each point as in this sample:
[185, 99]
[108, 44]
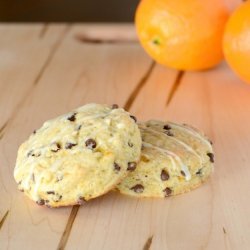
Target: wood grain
[72, 72]
[93, 74]
[19, 72]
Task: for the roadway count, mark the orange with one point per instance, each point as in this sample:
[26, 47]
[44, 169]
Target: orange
[236, 42]
[182, 34]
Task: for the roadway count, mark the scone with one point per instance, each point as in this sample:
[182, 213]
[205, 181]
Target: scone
[78, 156]
[175, 159]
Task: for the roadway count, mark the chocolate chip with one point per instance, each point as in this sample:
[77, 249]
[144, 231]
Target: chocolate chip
[117, 167]
[199, 172]
[167, 127]
[57, 147]
[34, 132]
[21, 190]
[167, 191]
[211, 157]
[72, 118]
[131, 166]
[210, 142]
[90, 143]
[79, 127]
[115, 106]
[164, 175]
[138, 188]
[31, 153]
[70, 145]
[40, 202]
[19, 183]
[183, 173]
[130, 144]
[50, 192]
[59, 198]
[134, 118]
[33, 178]
[81, 200]
[169, 133]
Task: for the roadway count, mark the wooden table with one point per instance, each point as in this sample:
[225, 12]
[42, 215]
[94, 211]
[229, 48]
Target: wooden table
[46, 70]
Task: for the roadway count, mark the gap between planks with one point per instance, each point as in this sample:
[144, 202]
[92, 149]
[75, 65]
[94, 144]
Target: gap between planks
[175, 86]
[67, 230]
[3, 219]
[2, 129]
[139, 87]
[86, 39]
[148, 243]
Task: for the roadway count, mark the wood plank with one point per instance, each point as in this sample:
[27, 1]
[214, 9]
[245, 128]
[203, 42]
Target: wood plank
[23, 54]
[215, 216]
[25, 51]
[205, 218]
[78, 73]
[218, 102]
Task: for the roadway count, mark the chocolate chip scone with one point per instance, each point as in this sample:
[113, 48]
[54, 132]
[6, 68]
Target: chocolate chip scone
[175, 159]
[78, 156]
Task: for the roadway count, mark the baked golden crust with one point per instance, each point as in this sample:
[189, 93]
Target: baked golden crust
[175, 159]
[78, 156]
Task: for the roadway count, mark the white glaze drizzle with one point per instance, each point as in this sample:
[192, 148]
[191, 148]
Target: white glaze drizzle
[172, 155]
[190, 149]
[192, 132]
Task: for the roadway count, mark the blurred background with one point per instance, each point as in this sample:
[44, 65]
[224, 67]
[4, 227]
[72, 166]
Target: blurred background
[67, 10]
